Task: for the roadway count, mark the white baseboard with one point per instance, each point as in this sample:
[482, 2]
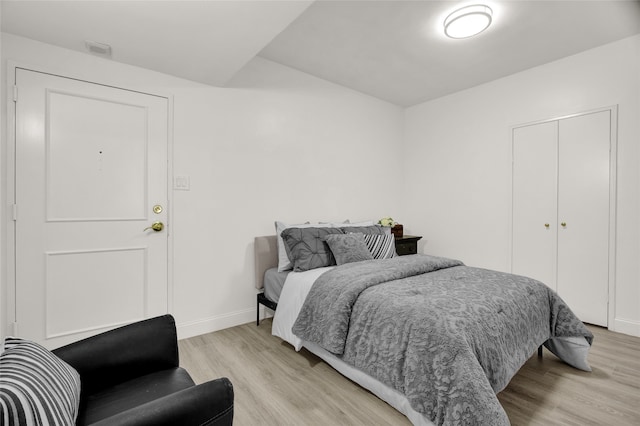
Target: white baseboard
[265, 312]
[626, 326]
[211, 324]
[220, 322]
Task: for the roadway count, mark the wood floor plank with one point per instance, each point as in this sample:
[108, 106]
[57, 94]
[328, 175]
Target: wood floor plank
[275, 385]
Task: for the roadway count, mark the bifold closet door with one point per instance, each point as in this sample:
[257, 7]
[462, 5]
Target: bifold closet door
[561, 173]
[534, 201]
[583, 215]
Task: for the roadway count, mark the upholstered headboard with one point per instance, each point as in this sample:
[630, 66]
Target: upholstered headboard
[265, 250]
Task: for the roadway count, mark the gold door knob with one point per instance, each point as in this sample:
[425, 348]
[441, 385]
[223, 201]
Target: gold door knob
[563, 224]
[156, 226]
[546, 225]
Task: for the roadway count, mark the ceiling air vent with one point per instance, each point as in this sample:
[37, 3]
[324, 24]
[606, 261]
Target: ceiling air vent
[99, 49]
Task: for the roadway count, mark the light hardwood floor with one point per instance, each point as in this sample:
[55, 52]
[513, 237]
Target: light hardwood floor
[274, 385]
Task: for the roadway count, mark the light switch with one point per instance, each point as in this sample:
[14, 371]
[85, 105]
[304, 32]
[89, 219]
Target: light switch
[181, 183]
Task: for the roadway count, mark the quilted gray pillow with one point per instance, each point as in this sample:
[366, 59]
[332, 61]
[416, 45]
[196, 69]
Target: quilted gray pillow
[307, 249]
[348, 248]
[373, 229]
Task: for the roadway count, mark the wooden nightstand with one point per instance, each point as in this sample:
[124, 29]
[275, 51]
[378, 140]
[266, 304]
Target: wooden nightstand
[407, 244]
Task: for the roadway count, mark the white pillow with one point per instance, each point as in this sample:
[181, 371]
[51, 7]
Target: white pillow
[347, 223]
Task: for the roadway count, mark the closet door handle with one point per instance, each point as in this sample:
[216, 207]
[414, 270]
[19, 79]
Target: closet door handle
[546, 225]
[563, 224]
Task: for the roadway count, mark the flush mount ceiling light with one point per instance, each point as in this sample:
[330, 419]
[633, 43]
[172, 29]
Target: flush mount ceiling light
[468, 21]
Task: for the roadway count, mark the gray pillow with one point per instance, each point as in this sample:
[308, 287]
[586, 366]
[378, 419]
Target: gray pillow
[348, 248]
[374, 229]
[307, 249]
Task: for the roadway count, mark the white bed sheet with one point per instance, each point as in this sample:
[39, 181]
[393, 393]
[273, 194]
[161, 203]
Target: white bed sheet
[294, 293]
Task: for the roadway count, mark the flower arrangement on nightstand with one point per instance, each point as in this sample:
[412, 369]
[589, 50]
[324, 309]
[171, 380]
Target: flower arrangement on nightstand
[405, 244]
[396, 228]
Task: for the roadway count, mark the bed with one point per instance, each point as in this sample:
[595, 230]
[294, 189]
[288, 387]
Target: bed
[435, 339]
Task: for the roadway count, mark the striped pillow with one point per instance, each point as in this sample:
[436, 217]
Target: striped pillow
[381, 246]
[36, 387]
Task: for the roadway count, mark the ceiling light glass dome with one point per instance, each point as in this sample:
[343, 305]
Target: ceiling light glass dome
[468, 21]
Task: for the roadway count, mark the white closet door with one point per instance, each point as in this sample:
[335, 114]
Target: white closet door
[583, 205]
[534, 201]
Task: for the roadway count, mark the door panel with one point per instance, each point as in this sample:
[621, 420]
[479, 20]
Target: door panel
[112, 163]
[91, 162]
[110, 296]
[534, 202]
[583, 204]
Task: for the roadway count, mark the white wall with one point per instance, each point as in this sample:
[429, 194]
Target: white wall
[277, 145]
[457, 157]
[280, 144]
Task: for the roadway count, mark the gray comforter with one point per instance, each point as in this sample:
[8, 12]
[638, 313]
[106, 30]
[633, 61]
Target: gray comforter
[447, 336]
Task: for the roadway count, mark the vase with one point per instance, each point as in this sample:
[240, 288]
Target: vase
[397, 231]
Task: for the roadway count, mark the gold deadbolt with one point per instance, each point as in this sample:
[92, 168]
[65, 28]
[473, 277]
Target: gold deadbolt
[157, 209]
[156, 226]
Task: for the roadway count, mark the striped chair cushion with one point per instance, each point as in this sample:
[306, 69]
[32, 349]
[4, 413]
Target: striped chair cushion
[381, 246]
[36, 387]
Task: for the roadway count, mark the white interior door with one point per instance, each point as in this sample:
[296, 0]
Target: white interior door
[583, 213]
[91, 164]
[534, 202]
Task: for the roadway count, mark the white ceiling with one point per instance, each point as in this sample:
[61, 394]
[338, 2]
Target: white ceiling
[393, 50]
[396, 50]
[204, 41]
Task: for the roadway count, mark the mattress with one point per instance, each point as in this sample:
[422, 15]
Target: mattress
[273, 283]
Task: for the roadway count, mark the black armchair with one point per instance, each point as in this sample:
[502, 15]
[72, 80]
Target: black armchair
[131, 376]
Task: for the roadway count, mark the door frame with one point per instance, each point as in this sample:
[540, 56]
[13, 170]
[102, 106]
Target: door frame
[8, 288]
[613, 185]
